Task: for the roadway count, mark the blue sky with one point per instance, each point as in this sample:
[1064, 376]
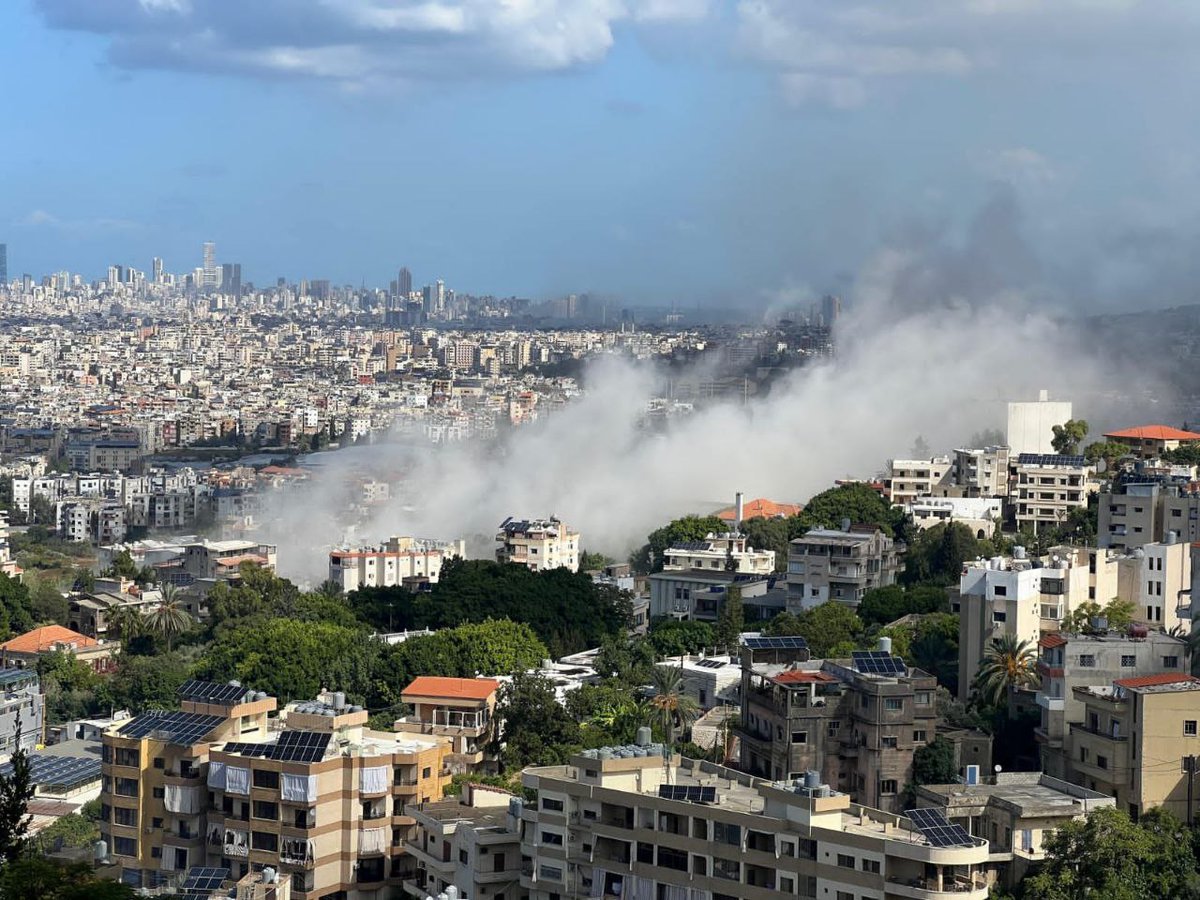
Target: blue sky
[694, 151]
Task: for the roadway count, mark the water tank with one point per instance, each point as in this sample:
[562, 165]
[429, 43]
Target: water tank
[339, 700]
[515, 806]
[452, 892]
[885, 644]
[268, 875]
[1018, 552]
[644, 735]
[1138, 630]
[1099, 623]
[821, 790]
[812, 779]
[1172, 537]
[100, 851]
[606, 753]
[998, 563]
[356, 709]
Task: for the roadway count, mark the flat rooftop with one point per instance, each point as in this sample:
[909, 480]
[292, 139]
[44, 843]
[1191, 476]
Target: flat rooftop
[1033, 795]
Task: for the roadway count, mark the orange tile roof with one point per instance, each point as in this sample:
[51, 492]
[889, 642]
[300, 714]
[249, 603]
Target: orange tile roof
[1052, 640]
[45, 638]
[1154, 433]
[452, 688]
[1155, 680]
[767, 509]
[797, 676]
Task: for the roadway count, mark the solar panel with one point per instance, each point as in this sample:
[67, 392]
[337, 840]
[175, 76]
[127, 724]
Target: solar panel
[787, 642]
[211, 692]
[692, 793]
[711, 664]
[292, 746]
[247, 749]
[59, 771]
[200, 878]
[173, 727]
[1049, 459]
[938, 830]
[878, 662]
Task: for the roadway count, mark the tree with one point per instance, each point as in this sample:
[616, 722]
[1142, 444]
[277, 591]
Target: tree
[731, 621]
[1068, 436]
[69, 686]
[629, 661]
[675, 708]
[1106, 856]
[16, 790]
[689, 528]
[673, 637]
[35, 877]
[775, 534]
[125, 622]
[329, 590]
[145, 682]
[828, 627]
[860, 503]
[1007, 664]
[1184, 455]
[16, 609]
[1117, 612]
[933, 763]
[936, 555]
[934, 647]
[169, 619]
[122, 566]
[46, 601]
[534, 728]
[887, 604]
[591, 562]
[1108, 451]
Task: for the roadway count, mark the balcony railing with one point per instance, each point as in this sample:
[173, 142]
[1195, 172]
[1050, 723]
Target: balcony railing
[1080, 727]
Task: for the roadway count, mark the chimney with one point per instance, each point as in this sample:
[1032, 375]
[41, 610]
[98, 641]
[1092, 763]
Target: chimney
[738, 509]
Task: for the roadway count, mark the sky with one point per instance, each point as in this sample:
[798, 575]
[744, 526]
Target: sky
[683, 151]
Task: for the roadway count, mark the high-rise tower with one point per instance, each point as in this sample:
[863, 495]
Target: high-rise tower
[404, 283]
[3, 265]
[210, 264]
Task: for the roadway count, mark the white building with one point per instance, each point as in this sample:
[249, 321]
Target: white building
[913, 478]
[980, 514]
[391, 563]
[539, 544]
[1031, 423]
[718, 551]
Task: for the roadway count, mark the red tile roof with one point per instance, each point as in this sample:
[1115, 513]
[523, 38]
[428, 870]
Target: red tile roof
[1155, 680]
[451, 688]
[798, 676]
[44, 638]
[1052, 640]
[767, 509]
[1154, 433]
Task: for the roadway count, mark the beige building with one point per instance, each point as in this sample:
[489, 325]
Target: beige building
[1152, 441]
[719, 552]
[1044, 489]
[1136, 740]
[221, 559]
[914, 478]
[622, 822]
[461, 711]
[842, 565]
[391, 563]
[1133, 514]
[539, 544]
[8, 565]
[983, 472]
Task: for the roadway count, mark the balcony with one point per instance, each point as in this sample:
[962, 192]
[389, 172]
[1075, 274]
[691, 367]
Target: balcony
[975, 886]
[1081, 728]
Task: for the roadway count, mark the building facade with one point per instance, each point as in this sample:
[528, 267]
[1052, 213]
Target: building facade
[719, 552]
[461, 711]
[914, 478]
[539, 544]
[842, 565]
[392, 562]
[1044, 489]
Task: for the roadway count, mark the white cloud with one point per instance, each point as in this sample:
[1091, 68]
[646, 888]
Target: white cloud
[1022, 166]
[362, 42]
[40, 217]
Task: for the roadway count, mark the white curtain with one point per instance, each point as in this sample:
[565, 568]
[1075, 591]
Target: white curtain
[179, 799]
[216, 775]
[673, 892]
[371, 840]
[598, 876]
[167, 863]
[639, 888]
[299, 787]
[237, 781]
[237, 840]
[374, 780]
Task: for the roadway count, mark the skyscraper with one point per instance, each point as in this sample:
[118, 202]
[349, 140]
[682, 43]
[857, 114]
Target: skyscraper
[157, 269]
[3, 265]
[831, 309]
[404, 283]
[210, 264]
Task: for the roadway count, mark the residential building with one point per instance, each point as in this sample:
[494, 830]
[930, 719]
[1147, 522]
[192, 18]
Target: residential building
[913, 478]
[89, 612]
[1157, 579]
[839, 564]
[26, 649]
[843, 718]
[729, 552]
[23, 705]
[1043, 489]
[1015, 812]
[1152, 441]
[221, 559]
[756, 509]
[983, 515]
[1031, 423]
[710, 681]
[618, 822]
[326, 801]
[539, 544]
[699, 594]
[1138, 741]
[1140, 510]
[391, 563]
[8, 565]
[982, 472]
[466, 844]
[460, 710]
[1069, 661]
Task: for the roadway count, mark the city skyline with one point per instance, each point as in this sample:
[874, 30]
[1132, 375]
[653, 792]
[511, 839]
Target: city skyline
[705, 151]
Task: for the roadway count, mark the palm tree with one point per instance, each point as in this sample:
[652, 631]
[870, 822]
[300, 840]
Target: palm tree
[1007, 664]
[170, 619]
[1191, 637]
[329, 590]
[673, 705]
[124, 621]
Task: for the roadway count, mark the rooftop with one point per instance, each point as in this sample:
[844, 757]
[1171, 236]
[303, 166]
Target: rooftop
[1165, 680]
[1154, 433]
[1027, 793]
[451, 688]
[48, 637]
[760, 508]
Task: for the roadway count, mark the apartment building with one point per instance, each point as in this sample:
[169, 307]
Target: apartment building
[913, 478]
[325, 801]
[1044, 488]
[1031, 423]
[624, 822]
[982, 515]
[392, 562]
[8, 565]
[1143, 509]
[1015, 812]
[221, 559]
[1157, 579]
[466, 845]
[839, 564]
[21, 703]
[1152, 441]
[710, 681]
[539, 544]
[982, 472]
[1138, 741]
[461, 711]
[856, 721]
[24, 650]
[728, 552]
[1069, 661]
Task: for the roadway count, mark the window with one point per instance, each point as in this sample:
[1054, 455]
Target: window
[888, 743]
[1128, 662]
[126, 817]
[1000, 590]
[831, 729]
[552, 805]
[727, 868]
[158, 793]
[844, 895]
[426, 772]
[265, 810]
[845, 861]
[787, 885]
[871, 865]
[999, 617]
[124, 846]
[551, 873]
[1101, 761]
[156, 822]
[726, 833]
[787, 848]
[887, 786]
[1170, 662]
[1189, 727]
[922, 698]
[463, 857]
[919, 737]
[1083, 754]
[1087, 661]
[893, 704]
[554, 838]
[159, 762]
[799, 737]
[264, 840]
[265, 779]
